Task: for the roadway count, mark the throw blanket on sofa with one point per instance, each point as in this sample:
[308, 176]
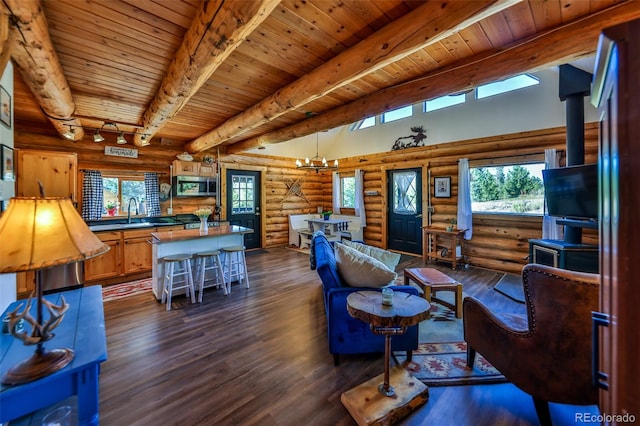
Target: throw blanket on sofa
[312, 251]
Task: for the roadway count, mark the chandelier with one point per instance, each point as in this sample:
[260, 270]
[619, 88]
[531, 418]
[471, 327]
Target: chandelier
[316, 162]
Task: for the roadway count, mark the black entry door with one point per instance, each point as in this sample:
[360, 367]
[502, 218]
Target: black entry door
[404, 229]
[243, 203]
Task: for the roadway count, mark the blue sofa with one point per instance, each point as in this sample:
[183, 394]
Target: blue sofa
[346, 334]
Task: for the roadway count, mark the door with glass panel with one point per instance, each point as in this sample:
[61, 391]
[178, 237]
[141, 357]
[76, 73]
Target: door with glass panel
[404, 225]
[243, 203]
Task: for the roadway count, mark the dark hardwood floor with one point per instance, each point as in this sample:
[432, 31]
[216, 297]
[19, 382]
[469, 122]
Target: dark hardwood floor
[260, 356]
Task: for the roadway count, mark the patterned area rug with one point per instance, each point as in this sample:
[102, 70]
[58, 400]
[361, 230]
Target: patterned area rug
[441, 357]
[445, 364]
[118, 291]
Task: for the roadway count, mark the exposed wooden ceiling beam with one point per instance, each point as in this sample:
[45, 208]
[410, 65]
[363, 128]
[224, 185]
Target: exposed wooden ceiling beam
[427, 24]
[574, 40]
[5, 39]
[218, 28]
[38, 62]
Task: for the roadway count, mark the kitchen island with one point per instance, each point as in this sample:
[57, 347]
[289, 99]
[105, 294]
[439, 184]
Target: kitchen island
[190, 241]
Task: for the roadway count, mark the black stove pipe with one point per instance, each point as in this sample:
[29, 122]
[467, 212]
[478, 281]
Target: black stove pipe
[574, 85]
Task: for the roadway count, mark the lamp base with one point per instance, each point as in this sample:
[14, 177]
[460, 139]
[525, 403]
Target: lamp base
[40, 364]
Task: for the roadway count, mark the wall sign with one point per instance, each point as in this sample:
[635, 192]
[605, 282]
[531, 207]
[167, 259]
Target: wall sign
[117, 151]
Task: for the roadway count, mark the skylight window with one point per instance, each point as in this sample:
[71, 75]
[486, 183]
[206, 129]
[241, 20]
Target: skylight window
[514, 83]
[444, 102]
[397, 114]
[367, 122]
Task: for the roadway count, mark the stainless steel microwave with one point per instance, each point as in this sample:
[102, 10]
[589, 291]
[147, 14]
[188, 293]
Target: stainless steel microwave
[194, 186]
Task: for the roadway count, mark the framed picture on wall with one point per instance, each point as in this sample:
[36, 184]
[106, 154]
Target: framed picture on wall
[7, 169]
[5, 107]
[442, 187]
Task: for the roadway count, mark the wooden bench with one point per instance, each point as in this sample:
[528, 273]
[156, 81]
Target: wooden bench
[431, 281]
[300, 233]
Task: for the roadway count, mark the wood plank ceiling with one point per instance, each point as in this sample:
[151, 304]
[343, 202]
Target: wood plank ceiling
[236, 74]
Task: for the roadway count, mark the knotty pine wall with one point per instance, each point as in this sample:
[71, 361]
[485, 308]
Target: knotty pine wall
[499, 241]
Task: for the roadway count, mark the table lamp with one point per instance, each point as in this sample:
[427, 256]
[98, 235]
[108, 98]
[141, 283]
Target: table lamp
[36, 234]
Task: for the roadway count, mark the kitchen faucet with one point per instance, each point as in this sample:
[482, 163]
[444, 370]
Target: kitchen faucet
[129, 208]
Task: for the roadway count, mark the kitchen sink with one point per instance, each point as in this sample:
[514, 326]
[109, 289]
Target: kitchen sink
[118, 226]
[136, 223]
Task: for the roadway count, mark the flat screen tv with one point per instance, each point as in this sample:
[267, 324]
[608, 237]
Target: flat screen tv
[572, 192]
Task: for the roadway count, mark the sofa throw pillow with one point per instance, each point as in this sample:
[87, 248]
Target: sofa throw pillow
[360, 270]
[390, 259]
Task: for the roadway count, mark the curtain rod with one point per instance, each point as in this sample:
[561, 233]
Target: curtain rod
[126, 172]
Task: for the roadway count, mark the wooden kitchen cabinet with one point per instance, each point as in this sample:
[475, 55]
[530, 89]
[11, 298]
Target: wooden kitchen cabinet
[209, 170]
[58, 172]
[137, 251]
[130, 254]
[108, 265]
[25, 284]
[185, 168]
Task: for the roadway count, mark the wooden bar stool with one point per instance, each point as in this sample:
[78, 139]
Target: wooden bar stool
[235, 265]
[171, 272]
[209, 261]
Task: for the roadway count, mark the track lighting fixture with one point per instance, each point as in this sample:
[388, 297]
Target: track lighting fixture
[97, 137]
[120, 140]
[69, 134]
[144, 141]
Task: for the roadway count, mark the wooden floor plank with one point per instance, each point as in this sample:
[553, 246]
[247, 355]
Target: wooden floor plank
[260, 356]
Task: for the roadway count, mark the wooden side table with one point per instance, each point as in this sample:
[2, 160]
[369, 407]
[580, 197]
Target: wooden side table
[434, 245]
[373, 402]
[431, 281]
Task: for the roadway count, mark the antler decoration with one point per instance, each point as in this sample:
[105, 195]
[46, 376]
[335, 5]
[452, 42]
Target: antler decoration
[39, 332]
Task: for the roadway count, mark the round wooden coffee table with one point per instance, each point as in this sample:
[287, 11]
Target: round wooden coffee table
[387, 320]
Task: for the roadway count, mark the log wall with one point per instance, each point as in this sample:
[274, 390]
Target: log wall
[499, 241]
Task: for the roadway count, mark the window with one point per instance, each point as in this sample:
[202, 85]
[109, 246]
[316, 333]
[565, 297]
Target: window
[348, 192]
[444, 101]
[508, 189]
[503, 86]
[242, 195]
[118, 191]
[363, 124]
[405, 194]
[397, 114]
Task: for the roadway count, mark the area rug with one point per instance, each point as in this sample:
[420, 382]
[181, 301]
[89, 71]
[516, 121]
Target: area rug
[511, 286]
[118, 291]
[441, 358]
[445, 364]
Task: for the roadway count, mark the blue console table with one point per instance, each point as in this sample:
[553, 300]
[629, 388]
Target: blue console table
[81, 330]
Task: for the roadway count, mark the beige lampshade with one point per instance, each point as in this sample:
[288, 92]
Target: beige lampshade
[38, 233]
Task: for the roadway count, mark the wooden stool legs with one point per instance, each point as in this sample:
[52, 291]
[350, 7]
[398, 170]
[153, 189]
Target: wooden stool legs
[235, 265]
[170, 273]
[213, 257]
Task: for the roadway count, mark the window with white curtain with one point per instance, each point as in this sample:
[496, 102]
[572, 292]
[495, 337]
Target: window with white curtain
[348, 191]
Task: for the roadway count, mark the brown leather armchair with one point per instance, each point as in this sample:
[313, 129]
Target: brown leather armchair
[546, 353]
